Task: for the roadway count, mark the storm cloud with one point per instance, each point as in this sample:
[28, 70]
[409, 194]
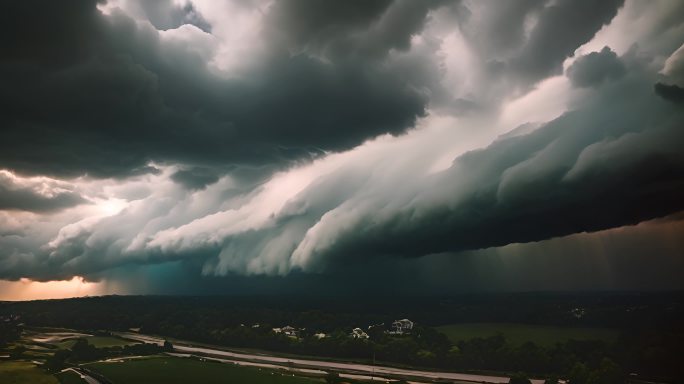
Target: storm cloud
[36, 195]
[121, 93]
[305, 141]
[595, 68]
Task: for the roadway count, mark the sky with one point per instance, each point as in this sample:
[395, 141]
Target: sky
[340, 147]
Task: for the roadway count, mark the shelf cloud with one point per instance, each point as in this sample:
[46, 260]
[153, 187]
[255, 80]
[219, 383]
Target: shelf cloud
[254, 141]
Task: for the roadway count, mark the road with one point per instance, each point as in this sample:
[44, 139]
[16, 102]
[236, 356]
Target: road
[354, 368]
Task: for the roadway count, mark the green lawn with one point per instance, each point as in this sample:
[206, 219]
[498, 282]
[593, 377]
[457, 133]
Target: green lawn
[98, 342]
[518, 334]
[19, 372]
[175, 370]
[70, 377]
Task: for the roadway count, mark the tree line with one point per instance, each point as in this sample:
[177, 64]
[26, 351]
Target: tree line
[650, 341]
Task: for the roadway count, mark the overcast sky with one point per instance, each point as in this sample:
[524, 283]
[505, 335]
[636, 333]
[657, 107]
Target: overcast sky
[341, 146]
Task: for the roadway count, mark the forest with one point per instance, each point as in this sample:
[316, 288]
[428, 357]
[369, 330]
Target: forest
[650, 330]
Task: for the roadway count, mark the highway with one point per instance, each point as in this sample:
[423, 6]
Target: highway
[342, 367]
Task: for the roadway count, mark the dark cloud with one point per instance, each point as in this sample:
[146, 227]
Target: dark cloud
[615, 161]
[104, 95]
[520, 43]
[314, 25]
[212, 166]
[195, 178]
[672, 92]
[530, 39]
[595, 68]
[642, 257]
[35, 196]
[561, 28]
[363, 29]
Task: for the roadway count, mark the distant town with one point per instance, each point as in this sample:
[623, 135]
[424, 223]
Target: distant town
[398, 328]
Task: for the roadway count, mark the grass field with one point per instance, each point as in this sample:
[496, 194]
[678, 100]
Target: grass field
[98, 342]
[518, 334]
[175, 370]
[19, 372]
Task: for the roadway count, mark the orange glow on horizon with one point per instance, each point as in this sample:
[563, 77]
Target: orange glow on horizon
[27, 289]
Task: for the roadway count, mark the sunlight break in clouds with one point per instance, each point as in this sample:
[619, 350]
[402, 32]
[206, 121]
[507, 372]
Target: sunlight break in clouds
[26, 289]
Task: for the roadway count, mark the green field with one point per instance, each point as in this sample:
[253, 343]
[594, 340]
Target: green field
[19, 372]
[70, 377]
[518, 334]
[175, 370]
[98, 342]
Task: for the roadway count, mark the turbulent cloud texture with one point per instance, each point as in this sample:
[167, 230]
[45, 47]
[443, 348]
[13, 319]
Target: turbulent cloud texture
[293, 138]
[154, 96]
[595, 68]
[36, 194]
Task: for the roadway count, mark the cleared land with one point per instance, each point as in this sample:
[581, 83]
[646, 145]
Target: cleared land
[98, 342]
[175, 370]
[19, 372]
[518, 334]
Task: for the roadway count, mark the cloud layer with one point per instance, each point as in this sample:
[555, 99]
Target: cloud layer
[121, 93]
[347, 135]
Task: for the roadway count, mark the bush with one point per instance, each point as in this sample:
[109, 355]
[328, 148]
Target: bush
[519, 378]
[332, 378]
[17, 352]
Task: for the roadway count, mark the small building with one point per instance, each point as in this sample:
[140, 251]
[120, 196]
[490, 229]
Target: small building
[290, 331]
[287, 331]
[400, 327]
[358, 333]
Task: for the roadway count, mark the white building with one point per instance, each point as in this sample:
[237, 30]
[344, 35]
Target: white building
[287, 331]
[400, 327]
[358, 333]
[290, 331]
